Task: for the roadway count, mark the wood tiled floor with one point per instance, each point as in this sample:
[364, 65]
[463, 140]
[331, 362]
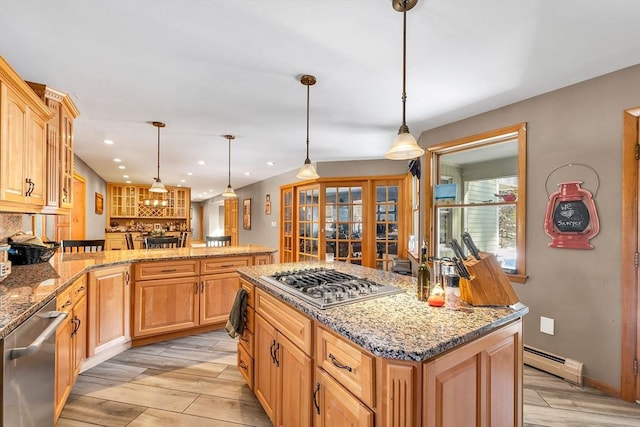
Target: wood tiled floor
[193, 381]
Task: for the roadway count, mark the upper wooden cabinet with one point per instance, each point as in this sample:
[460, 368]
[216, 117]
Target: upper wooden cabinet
[132, 201]
[59, 148]
[23, 118]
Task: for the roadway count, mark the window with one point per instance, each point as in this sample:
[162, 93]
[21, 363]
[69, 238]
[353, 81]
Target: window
[479, 185]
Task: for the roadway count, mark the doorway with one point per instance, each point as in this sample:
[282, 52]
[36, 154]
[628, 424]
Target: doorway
[79, 207]
[629, 384]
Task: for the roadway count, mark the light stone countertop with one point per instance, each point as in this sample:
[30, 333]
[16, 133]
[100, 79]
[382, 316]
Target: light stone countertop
[29, 287]
[396, 326]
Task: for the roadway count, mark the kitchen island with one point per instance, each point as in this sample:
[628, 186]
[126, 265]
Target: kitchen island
[387, 361]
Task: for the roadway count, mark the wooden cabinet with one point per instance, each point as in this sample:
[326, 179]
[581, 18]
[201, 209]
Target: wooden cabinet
[283, 366]
[478, 384]
[131, 201]
[282, 377]
[246, 340]
[181, 295]
[114, 242]
[335, 406]
[70, 341]
[22, 144]
[59, 148]
[109, 310]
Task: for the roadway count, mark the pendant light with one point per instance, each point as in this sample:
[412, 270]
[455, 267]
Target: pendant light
[404, 146]
[307, 171]
[229, 193]
[158, 186]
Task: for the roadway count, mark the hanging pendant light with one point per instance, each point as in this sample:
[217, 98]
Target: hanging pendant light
[404, 147]
[307, 171]
[158, 186]
[229, 193]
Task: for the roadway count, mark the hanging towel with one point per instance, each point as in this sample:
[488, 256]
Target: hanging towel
[237, 316]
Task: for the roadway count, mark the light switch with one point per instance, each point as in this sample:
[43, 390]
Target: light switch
[547, 325]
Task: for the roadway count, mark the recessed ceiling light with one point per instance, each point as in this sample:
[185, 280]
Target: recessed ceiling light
[183, 180]
[179, 185]
[121, 167]
[211, 190]
[271, 163]
[189, 173]
[125, 176]
[201, 162]
[117, 160]
[247, 173]
[108, 142]
[128, 182]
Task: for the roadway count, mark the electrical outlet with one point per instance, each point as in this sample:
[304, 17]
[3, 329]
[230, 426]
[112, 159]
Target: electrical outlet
[547, 325]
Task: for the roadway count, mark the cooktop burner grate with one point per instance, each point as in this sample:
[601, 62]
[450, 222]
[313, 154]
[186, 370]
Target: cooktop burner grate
[325, 288]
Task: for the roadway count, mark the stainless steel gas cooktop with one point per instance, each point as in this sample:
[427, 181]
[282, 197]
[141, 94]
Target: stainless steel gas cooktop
[326, 288]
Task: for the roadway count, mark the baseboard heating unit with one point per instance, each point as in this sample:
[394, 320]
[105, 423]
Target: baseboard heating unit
[568, 369]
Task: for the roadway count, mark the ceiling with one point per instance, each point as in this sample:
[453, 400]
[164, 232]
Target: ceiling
[209, 68]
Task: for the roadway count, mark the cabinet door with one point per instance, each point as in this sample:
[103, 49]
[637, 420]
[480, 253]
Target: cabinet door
[79, 336]
[335, 406]
[167, 305]
[114, 242]
[53, 153]
[13, 139]
[109, 308]
[35, 165]
[265, 370]
[64, 354]
[66, 159]
[217, 296]
[294, 385]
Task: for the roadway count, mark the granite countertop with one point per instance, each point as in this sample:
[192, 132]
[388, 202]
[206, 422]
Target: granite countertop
[29, 287]
[396, 326]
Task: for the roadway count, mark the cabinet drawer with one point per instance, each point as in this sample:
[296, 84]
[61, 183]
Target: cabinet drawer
[64, 300]
[245, 365]
[79, 289]
[223, 265]
[246, 341]
[290, 322]
[250, 290]
[347, 363]
[166, 270]
[250, 320]
[262, 260]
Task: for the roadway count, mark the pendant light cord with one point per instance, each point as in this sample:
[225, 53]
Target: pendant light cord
[229, 184]
[158, 173]
[404, 128]
[307, 160]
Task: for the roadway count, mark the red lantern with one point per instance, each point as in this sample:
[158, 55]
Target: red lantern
[571, 219]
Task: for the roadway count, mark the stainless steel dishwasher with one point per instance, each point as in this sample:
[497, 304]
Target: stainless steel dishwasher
[28, 376]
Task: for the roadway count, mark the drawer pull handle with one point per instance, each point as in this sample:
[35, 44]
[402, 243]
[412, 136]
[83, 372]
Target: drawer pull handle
[244, 366]
[315, 398]
[227, 266]
[67, 303]
[272, 351]
[338, 364]
[169, 270]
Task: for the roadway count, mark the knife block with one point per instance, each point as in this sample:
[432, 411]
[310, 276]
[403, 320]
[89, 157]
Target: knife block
[489, 285]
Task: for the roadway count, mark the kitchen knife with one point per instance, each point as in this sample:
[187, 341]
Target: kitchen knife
[462, 270]
[468, 241]
[453, 244]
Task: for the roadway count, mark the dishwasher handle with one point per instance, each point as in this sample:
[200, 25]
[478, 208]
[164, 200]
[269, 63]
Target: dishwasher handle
[32, 348]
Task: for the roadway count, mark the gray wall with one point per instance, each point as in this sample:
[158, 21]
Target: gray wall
[580, 289]
[95, 223]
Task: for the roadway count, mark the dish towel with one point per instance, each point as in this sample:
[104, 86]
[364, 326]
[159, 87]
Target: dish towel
[237, 316]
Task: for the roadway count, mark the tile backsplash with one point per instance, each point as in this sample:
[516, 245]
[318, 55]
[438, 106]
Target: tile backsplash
[9, 225]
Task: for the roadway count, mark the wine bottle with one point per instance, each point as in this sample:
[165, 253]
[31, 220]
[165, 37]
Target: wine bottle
[424, 276]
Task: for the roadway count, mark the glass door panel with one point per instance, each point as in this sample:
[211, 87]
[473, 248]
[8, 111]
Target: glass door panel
[344, 223]
[386, 220]
[308, 223]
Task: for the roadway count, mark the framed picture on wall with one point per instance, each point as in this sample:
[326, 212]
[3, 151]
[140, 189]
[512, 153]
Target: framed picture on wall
[267, 205]
[99, 203]
[246, 214]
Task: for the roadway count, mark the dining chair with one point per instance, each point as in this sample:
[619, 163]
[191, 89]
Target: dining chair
[184, 236]
[82, 245]
[214, 241]
[128, 238]
[161, 242]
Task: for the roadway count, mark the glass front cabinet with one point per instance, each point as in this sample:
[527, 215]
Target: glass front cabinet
[358, 220]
